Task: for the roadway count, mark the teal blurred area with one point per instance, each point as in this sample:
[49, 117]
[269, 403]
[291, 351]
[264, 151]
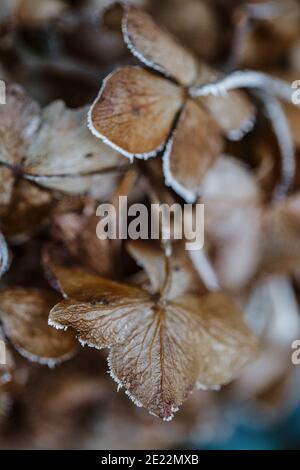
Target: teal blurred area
[284, 435]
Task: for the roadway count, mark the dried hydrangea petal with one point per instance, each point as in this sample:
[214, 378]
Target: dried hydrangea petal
[183, 276]
[63, 146]
[24, 315]
[28, 210]
[234, 113]
[134, 111]
[280, 243]
[78, 234]
[192, 149]
[157, 48]
[19, 121]
[159, 350]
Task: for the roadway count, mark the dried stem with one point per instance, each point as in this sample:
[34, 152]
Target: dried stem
[284, 137]
[167, 247]
[245, 79]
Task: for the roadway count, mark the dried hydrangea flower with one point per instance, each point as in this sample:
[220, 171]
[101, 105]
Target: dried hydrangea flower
[51, 149]
[137, 110]
[164, 341]
[24, 316]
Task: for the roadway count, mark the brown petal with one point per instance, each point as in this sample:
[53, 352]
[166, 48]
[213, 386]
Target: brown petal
[64, 147]
[19, 120]
[24, 315]
[84, 287]
[160, 353]
[182, 275]
[222, 343]
[280, 243]
[149, 258]
[100, 186]
[160, 348]
[234, 113]
[157, 48]
[195, 144]
[195, 23]
[138, 361]
[29, 208]
[134, 111]
[78, 233]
